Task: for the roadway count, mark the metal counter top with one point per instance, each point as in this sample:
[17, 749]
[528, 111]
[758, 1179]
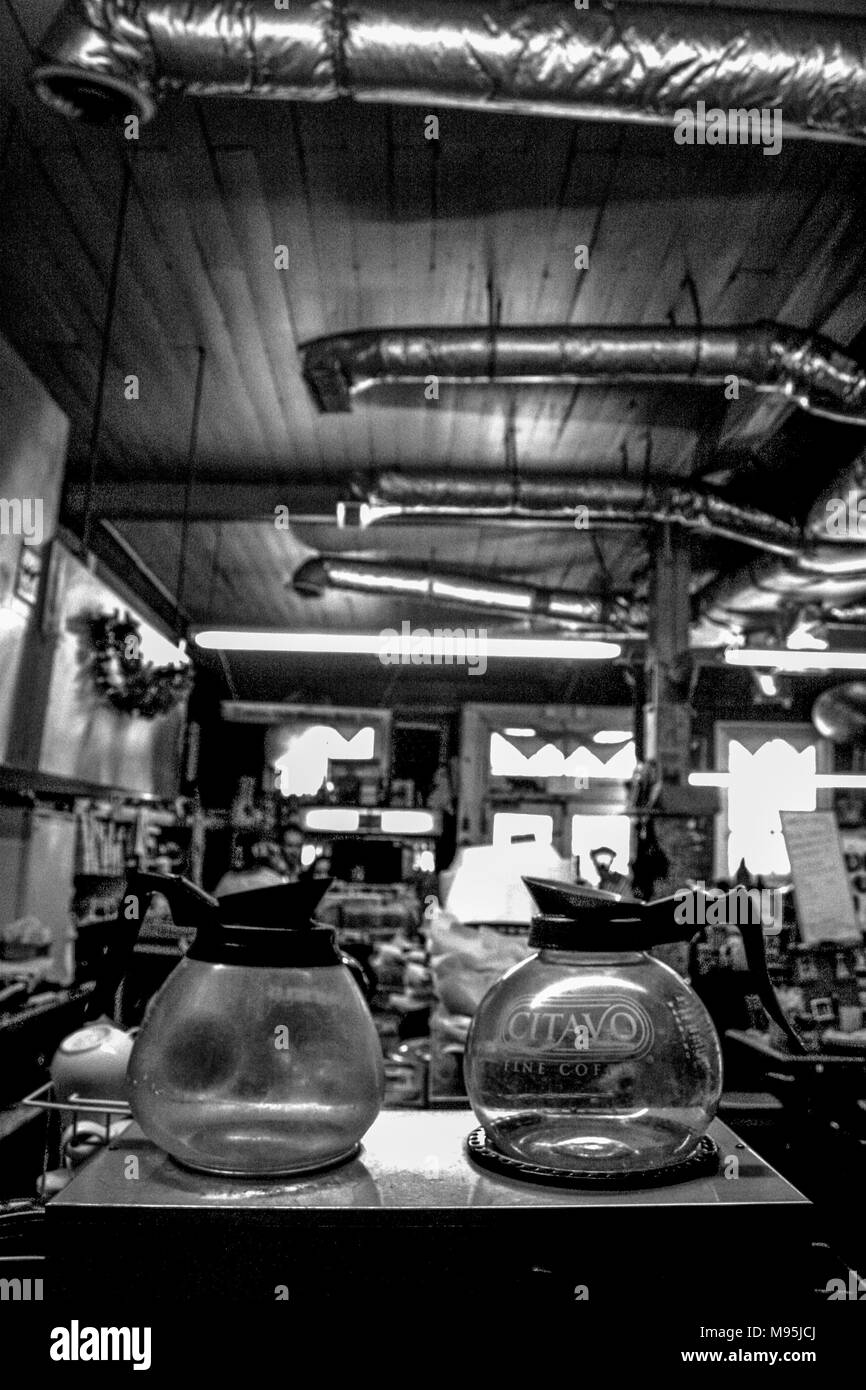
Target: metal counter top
[412, 1162]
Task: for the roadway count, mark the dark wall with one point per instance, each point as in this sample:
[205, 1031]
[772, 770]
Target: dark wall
[365, 681]
[226, 751]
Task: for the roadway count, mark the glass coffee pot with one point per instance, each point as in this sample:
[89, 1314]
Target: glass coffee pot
[258, 1056]
[592, 1058]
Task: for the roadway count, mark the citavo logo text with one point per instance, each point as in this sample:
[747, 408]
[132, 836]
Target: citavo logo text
[607, 1026]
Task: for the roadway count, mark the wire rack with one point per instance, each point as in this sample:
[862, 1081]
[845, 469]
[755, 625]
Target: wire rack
[114, 1114]
[44, 1098]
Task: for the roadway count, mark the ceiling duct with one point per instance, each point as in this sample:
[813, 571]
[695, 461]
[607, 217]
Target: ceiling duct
[500, 597]
[101, 60]
[770, 587]
[839, 512]
[830, 569]
[790, 363]
[573, 501]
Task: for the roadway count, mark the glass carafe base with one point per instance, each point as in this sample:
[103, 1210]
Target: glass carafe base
[282, 1170]
[700, 1160]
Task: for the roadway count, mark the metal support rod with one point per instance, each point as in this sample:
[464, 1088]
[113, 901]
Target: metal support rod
[667, 716]
[190, 471]
[8, 139]
[105, 348]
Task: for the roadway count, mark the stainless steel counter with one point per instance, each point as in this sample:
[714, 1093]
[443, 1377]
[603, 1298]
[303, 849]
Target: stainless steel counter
[412, 1162]
[413, 1218]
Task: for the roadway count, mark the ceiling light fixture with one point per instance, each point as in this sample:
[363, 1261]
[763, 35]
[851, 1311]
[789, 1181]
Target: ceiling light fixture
[519, 733]
[433, 647]
[612, 736]
[797, 660]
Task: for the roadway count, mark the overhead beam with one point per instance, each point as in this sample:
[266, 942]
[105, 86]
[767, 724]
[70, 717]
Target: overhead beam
[162, 501]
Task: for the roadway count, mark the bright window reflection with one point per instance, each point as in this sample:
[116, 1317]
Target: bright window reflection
[545, 759]
[507, 824]
[304, 757]
[776, 777]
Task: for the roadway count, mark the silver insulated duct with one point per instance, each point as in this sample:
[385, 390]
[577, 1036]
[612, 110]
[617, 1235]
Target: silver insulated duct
[500, 597]
[829, 571]
[573, 501]
[102, 59]
[786, 362]
[795, 569]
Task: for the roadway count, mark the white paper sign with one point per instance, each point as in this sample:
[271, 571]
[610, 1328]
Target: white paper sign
[825, 907]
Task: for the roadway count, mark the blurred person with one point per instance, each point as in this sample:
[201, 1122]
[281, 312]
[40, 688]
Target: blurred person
[255, 864]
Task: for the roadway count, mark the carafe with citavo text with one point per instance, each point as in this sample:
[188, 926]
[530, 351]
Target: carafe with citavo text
[592, 1058]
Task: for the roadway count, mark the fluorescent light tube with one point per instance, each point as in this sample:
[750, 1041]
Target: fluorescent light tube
[552, 648]
[612, 736]
[374, 644]
[780, 660]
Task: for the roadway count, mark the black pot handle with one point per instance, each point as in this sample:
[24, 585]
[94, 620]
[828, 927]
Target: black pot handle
[190, 907]
[756, 959]
[665, 921]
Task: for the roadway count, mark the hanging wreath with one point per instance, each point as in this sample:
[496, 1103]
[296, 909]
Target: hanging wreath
[123, 678]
